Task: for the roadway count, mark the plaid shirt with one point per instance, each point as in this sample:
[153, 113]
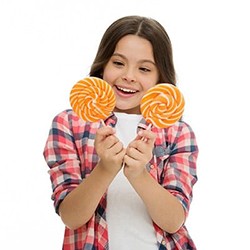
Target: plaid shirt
[70, 155]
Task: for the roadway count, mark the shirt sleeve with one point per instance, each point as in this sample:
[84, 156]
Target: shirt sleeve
[180, 168]
[61, 156]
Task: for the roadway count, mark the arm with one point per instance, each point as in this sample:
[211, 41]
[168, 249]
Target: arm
[164, 208]
[164, 202]
[79, 206]
[76, 199]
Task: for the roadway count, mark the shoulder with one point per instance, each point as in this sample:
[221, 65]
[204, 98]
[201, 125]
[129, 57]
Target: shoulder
[69, 122]
[67, 115]
[68, 118]
[180, 128]
[179, 135]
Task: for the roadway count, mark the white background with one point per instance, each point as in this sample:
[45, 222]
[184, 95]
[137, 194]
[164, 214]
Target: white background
[48, 45]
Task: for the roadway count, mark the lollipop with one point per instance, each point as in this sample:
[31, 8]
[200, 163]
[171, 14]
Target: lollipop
[92, 99]
[162, 105]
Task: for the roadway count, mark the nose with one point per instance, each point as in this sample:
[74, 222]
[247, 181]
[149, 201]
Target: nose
[129, 76]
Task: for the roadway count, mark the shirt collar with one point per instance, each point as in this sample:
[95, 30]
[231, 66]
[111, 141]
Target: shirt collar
[112, 120]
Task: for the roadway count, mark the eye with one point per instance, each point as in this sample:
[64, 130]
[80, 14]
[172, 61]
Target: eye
[144, 69]
[118, 63]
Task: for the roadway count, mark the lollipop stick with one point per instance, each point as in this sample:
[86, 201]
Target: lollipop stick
[102, 122]
[148, 128]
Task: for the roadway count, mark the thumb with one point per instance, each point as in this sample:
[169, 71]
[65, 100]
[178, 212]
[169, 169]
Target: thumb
[104, 132]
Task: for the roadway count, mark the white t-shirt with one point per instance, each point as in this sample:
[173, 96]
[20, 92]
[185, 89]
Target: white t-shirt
[129, 224]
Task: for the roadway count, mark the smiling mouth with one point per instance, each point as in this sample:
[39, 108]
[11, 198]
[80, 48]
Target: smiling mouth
[126, 91]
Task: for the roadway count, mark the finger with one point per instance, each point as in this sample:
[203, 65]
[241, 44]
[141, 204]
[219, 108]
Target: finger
[139, 145]
[120, 155]
[116, 148]
[105, 131]
[102, 133]
[134, 153]
[110, 141]
[147, 136]
[128, 161]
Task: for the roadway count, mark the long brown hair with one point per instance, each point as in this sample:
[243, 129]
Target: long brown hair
[144, 27]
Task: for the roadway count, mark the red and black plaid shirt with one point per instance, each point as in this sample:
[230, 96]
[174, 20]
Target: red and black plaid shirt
[70, 155]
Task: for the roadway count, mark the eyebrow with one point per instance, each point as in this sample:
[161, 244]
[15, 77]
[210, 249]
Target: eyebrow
[142, 61]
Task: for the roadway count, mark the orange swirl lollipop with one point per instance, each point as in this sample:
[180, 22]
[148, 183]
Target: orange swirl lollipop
[162, 105]
[92, 99]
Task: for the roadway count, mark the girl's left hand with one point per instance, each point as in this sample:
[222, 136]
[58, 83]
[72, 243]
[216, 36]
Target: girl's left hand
[138, 154]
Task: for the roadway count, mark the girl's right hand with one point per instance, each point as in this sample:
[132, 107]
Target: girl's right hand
[109, 149]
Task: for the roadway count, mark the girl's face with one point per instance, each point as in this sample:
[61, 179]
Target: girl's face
[131, 71]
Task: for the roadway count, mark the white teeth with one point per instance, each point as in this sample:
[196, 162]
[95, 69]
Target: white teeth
[126, 90]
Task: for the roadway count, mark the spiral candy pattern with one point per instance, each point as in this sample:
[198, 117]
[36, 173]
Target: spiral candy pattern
[92, 99]
[162, 105]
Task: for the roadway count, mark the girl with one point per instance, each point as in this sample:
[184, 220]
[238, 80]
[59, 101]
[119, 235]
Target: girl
[112, 189]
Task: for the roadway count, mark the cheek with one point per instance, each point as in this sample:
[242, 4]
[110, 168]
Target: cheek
[149, 84]
[108, 74]
[150, 81]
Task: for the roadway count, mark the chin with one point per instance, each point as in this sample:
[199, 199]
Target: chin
[127, 110]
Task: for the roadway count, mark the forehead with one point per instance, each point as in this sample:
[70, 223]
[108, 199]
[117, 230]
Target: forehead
[135, 47]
